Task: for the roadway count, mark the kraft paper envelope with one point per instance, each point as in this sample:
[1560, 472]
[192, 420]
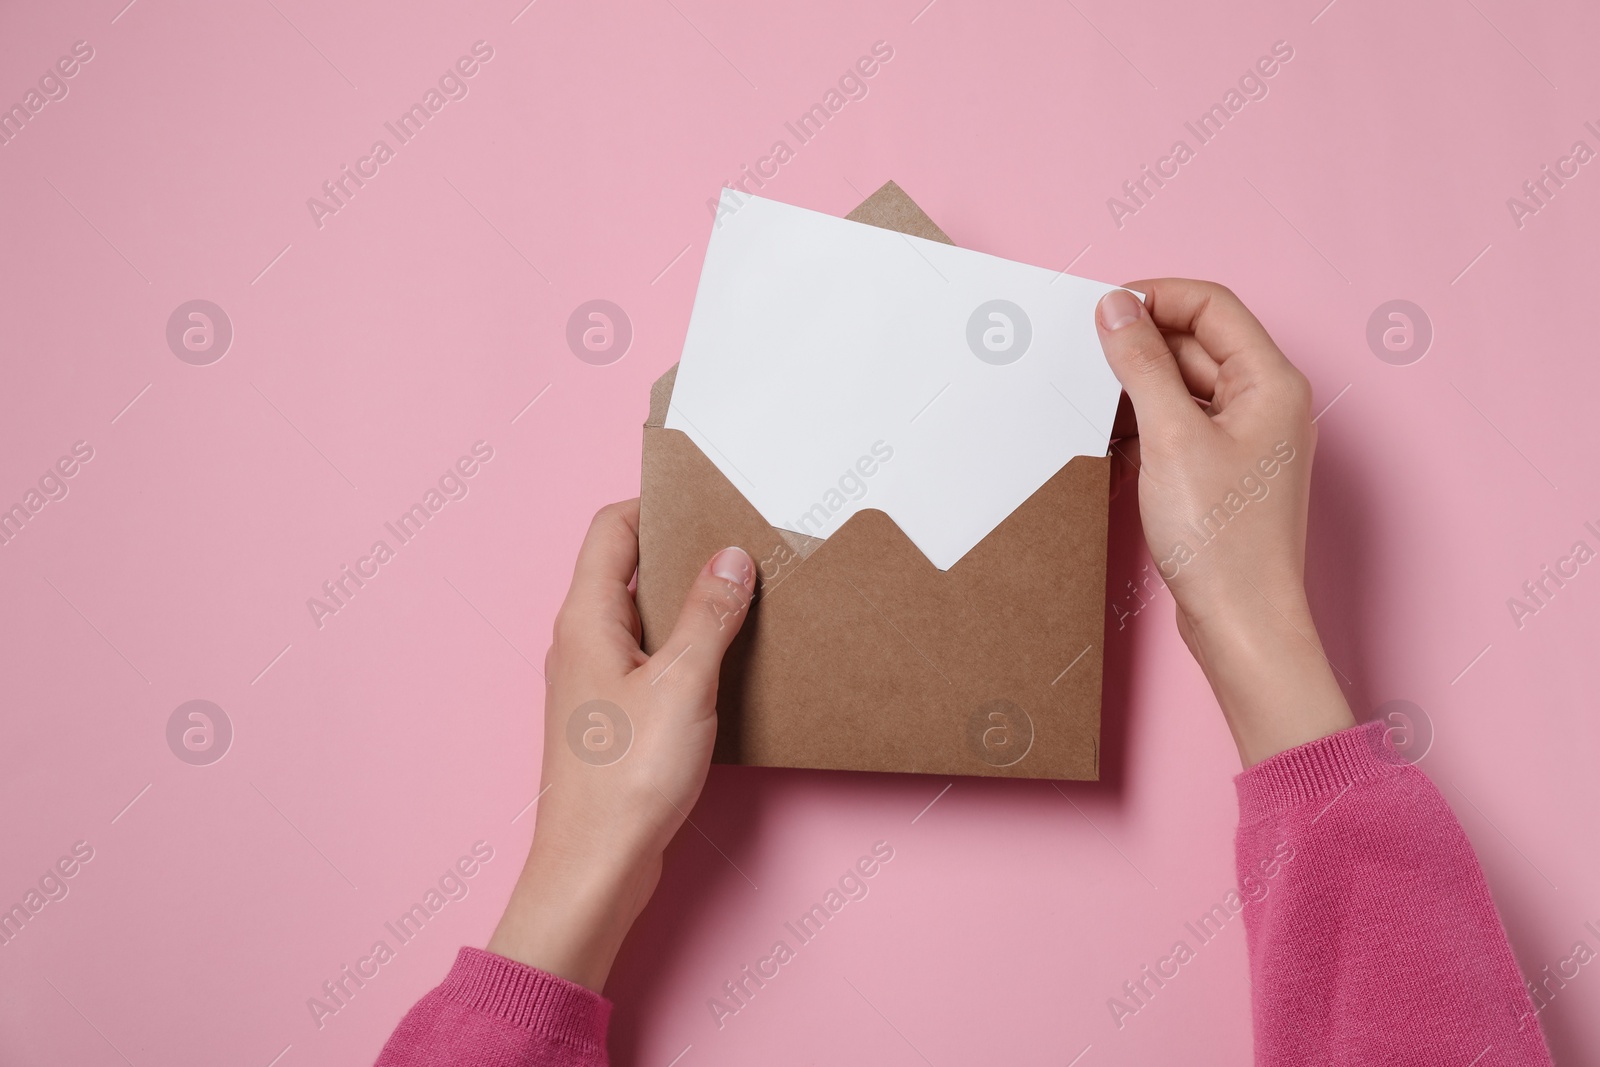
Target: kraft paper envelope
[859, 653]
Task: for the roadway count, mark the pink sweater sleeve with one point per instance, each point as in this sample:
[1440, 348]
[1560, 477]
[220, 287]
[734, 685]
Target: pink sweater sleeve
[1371, 932]
[493, 1012]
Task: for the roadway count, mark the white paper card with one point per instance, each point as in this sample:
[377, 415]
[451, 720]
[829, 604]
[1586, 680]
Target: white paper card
[831, 367]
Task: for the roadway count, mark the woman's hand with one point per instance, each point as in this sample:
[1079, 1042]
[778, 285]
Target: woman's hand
[627, 743]
[1223, 491]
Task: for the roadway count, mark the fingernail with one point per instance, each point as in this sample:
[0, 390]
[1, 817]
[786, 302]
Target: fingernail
[733, 564]
[1119, 308]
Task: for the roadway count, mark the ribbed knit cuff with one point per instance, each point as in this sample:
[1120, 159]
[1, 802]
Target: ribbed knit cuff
[529, 998]
[1320, 769]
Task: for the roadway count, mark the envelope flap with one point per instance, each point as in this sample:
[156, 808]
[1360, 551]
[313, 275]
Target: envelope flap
[891, 209]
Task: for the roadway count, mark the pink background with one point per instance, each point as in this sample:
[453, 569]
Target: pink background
[368, 354]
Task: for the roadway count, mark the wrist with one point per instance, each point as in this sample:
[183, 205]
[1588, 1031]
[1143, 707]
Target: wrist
[572, 907]
[1269, 673]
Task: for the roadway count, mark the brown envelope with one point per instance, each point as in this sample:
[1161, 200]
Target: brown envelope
[859, 654]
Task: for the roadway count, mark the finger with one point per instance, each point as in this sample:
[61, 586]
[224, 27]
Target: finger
[1199, 375]
[712, 614]
[1143, 363]
[598, 596]
[1199, 370]
[1125, 427]
[1216, 317]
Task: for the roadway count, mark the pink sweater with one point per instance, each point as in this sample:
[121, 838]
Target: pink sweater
[1371, 933]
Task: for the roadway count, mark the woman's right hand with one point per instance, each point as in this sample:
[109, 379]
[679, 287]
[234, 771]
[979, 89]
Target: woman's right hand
[1223, 494]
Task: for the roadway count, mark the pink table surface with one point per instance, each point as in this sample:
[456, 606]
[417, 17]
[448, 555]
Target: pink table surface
[371, 351]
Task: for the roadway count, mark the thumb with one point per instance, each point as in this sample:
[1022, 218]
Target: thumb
[1143, 363]
[712, 614]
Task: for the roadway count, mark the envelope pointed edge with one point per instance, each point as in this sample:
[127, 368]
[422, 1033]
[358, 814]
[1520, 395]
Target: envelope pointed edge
[891, 209]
